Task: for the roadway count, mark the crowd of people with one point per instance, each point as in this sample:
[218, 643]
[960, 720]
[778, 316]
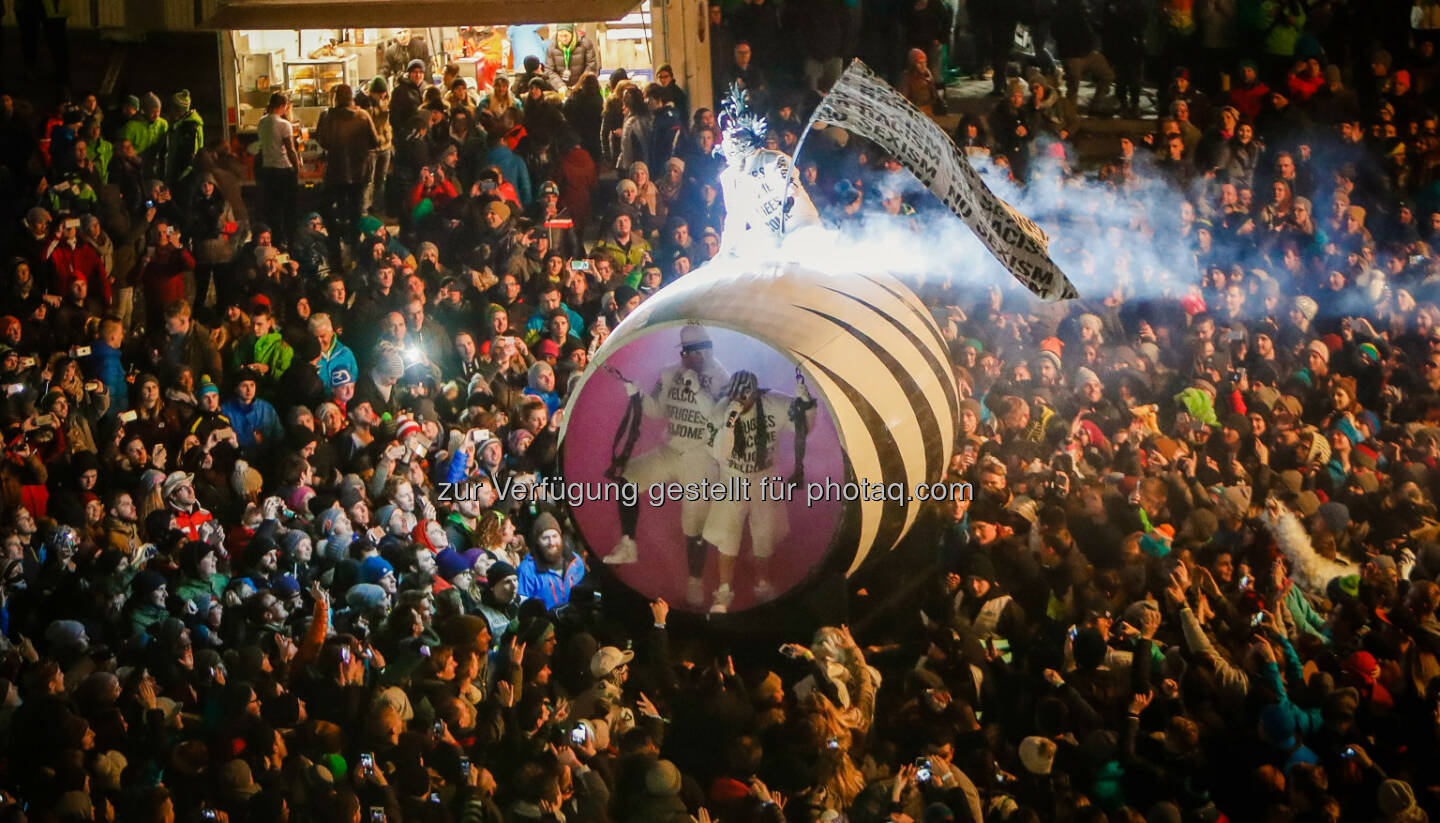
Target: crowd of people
[1197, 579]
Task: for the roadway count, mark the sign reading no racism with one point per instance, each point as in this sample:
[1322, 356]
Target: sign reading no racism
[864, 104]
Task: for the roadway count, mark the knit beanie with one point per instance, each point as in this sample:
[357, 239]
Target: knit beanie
[451, 563]
[543, 523]
[374, 569]
[1335, 515]
[365, 596]
[389, 364]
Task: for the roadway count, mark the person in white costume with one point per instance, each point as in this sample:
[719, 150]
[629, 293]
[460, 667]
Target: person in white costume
[754, 181]
[684, 396]
[748, 427]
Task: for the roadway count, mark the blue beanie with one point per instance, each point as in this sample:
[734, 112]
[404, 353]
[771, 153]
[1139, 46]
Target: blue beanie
[365, 596]
[375, 568]
[285, 587]
[451, 563]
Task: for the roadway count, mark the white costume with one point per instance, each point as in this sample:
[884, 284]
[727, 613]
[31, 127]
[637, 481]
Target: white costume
[754, 198]
[753, 180]
[769, 523]
[686, 400]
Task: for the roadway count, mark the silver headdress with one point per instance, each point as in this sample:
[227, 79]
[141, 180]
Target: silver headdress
[741, 127]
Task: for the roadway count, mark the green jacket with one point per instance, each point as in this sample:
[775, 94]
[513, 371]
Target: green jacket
[190, 587]
[143, 134]
[102, 151]
[626, 261]
[186, 139]
[1284, 33]
[271, 350]
[143, 617]
[71, 195]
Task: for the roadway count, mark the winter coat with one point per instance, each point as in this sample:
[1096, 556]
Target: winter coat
[184, 140]
[258, 416]
[213, 228]
[338, 362]
[349, 138]
[514, 170]
[564, 67]
[67, 264]
[162, 276]
[634, 141]
[270, 350]
[405, 100]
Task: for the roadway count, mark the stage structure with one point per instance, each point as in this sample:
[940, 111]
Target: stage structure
[777, 419]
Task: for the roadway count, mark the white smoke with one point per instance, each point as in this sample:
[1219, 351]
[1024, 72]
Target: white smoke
[1107, 241]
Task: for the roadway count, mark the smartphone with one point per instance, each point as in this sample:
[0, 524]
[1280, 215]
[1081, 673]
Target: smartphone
[27, 362]
[208, 814]
[833, 743]
[435, 798]
[149, 204]
[438, 729]
[1257, 619]
[367, 763]
[80, 351]
[92, 385]
[128, 416]
[13, 389]
[579, 265]
[1245, 581]
[377, 814]
[579, 735]
[1074, 630]
[480, 435]
[1349, 751]
[419, 449]
[465, 767]
[345, 655]
[45, 420]
[922, 769]
[488, 185]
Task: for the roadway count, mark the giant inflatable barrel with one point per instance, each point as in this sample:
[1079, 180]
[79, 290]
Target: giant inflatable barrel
[885, 415]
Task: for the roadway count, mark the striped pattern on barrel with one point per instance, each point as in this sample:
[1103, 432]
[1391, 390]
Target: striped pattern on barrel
[866, 345]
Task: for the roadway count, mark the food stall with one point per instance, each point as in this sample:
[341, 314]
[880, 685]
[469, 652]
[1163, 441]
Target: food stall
[309, 63]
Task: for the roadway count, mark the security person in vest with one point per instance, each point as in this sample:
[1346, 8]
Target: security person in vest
[995, 618]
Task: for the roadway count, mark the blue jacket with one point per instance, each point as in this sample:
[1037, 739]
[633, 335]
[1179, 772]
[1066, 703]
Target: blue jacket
[339, 359]
[514, 170]
[108, 368]
[259, 416]
[552, 587]
[536, 323]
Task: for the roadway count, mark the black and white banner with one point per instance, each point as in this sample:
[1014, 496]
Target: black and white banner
[864, 104]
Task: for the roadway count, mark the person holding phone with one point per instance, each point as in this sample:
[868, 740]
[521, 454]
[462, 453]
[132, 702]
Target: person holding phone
[161, 271]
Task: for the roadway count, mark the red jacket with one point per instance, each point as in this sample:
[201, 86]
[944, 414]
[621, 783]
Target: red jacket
[1248, 100]
[577, 181]
[1302, 89]
[439, 194]
[67, 264]
[161, 277]
[190, 522]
